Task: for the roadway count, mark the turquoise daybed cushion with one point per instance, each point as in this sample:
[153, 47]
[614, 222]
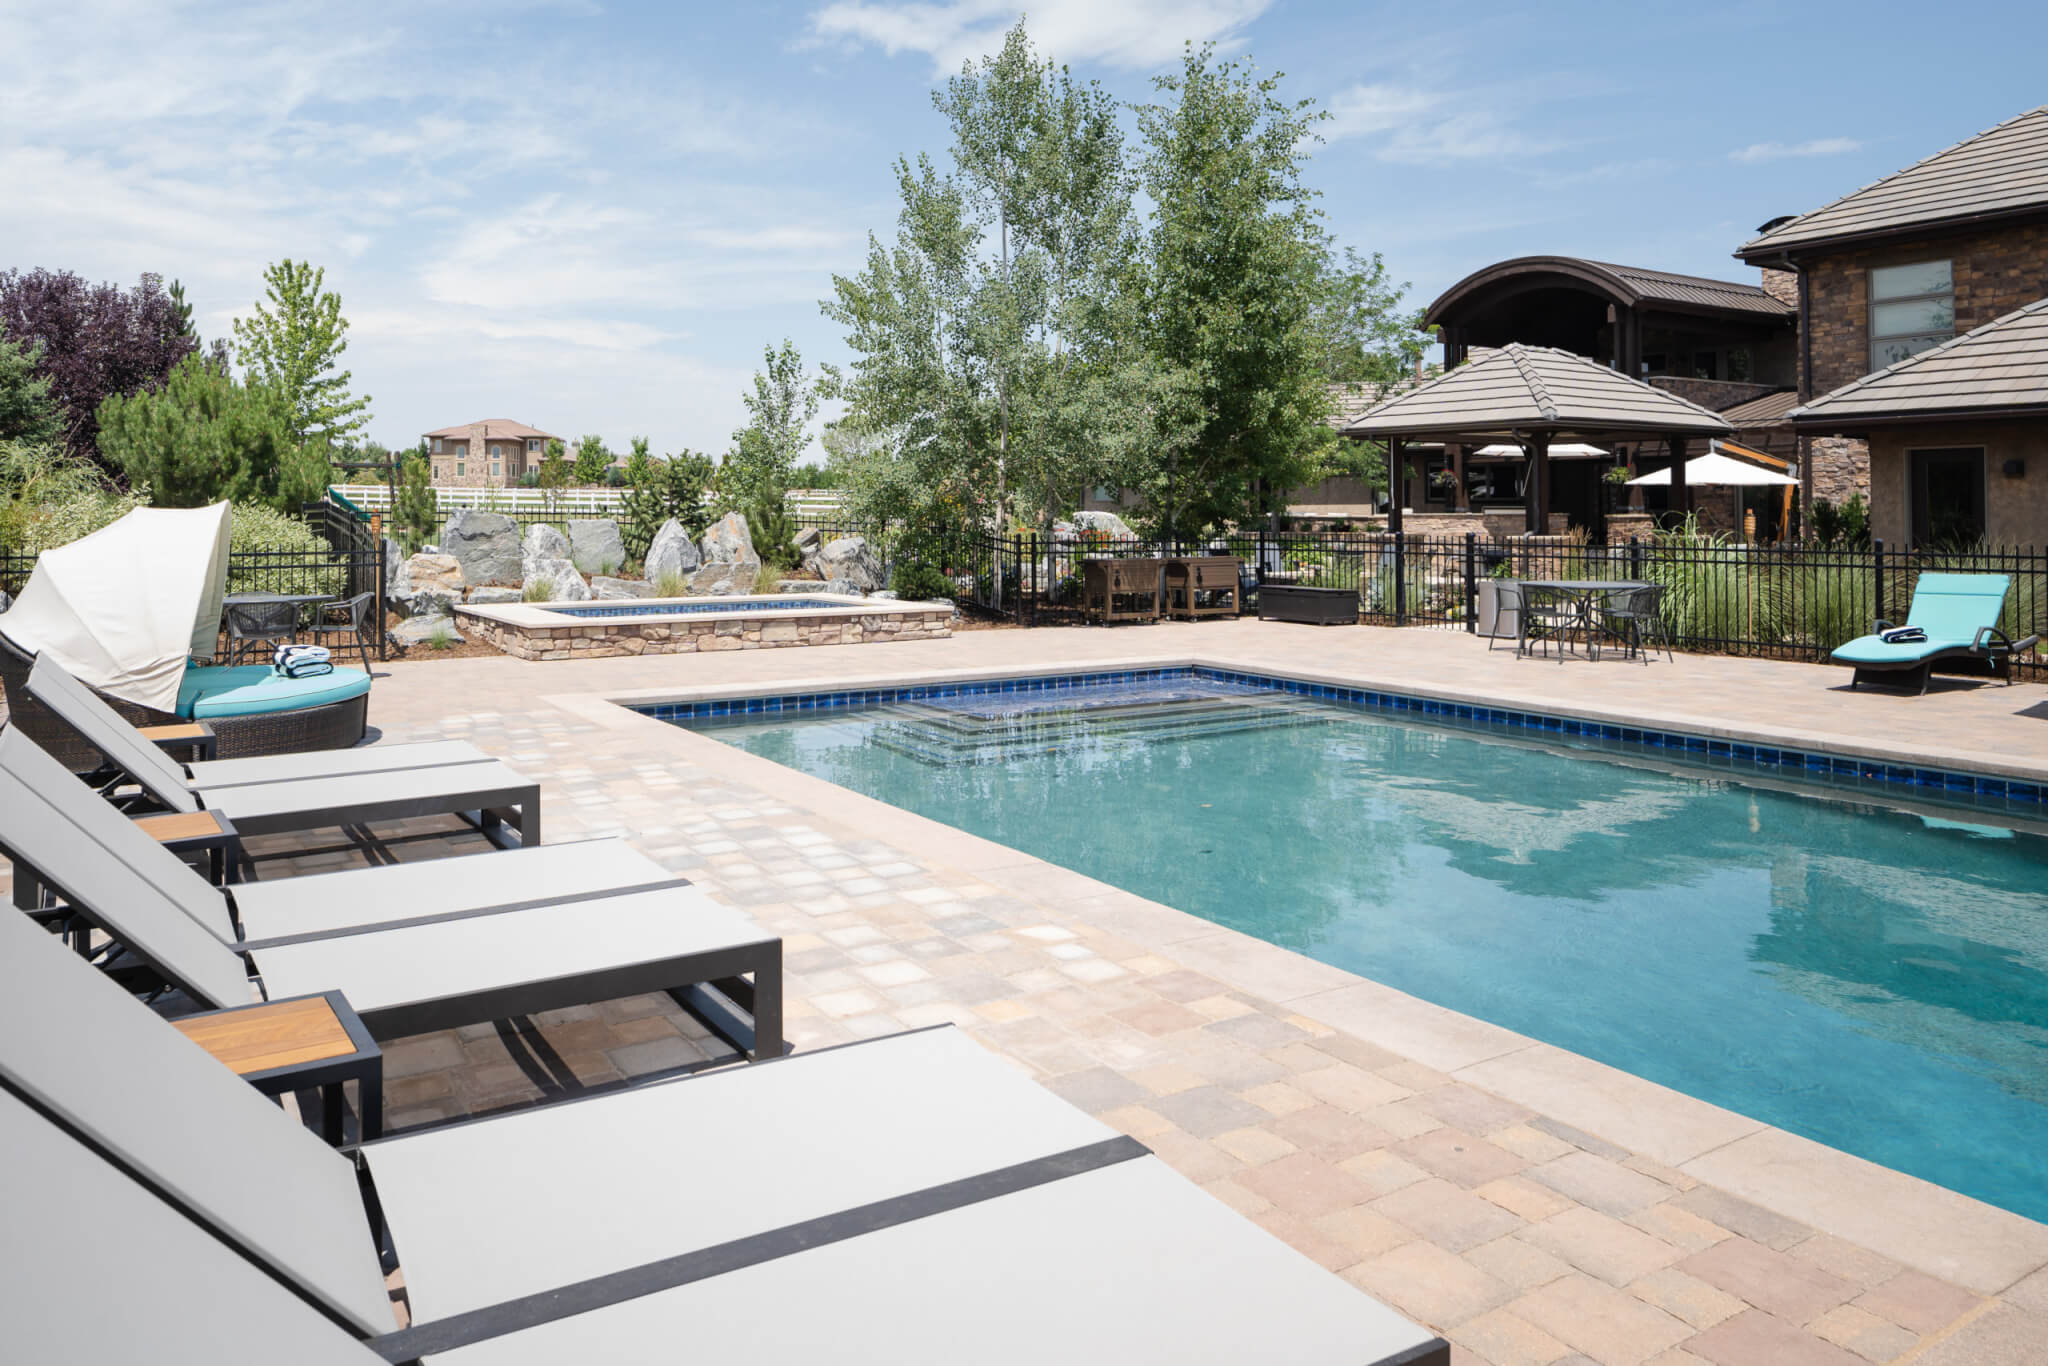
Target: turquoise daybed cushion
[247, 689]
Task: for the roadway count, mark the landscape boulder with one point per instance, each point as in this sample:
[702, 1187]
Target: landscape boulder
[563, 583]
[425, 585]
[845, 588]
[419, 630]
[807, 542]
[485, 544]
[542, 543]
[485, 597]
[1107, 522]
[799, 585]
[672, 552]
[605, 588]
[719, 580]
[849, 558]
[596, 546]
[730, 564]
[728, 541]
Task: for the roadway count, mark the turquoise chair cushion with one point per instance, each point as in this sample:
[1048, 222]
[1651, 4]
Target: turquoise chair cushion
[1873, 653]
[1951, 608]
[247, 689]
[1957, 606]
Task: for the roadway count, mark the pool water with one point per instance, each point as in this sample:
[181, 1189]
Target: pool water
[1871, 978]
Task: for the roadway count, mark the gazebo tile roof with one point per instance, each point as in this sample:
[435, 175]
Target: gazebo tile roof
[1521, 386]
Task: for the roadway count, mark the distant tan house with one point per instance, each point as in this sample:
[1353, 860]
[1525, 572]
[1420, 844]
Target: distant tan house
[493, 453]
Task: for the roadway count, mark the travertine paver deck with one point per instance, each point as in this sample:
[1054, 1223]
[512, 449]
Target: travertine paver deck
[1534, 1206]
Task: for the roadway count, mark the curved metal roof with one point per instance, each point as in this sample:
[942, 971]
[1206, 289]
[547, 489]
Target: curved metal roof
[1536, 388]
[1632, 286]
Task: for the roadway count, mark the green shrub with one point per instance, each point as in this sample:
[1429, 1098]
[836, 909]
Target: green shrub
[671, 583]
[305, 563]
[920, 582]
[49, 497]
[773, 532]
[537, 590]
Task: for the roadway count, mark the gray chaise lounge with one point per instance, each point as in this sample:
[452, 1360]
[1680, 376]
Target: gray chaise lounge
[904, 1200]
[296, 792]
[416, 946]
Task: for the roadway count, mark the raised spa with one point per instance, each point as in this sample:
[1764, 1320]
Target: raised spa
[661, 626]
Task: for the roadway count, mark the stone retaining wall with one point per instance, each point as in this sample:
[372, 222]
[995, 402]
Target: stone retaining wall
[601, 637]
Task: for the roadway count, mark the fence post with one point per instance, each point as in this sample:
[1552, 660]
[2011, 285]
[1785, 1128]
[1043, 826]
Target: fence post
[1400, 579]
[1471, 584]
[1876, 581]
[377, 604]
[1635, 558]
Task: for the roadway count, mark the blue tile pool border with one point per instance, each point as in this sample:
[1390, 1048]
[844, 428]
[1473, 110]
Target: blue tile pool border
[1719, 754]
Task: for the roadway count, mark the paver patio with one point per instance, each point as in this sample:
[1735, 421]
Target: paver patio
[1532, 1205]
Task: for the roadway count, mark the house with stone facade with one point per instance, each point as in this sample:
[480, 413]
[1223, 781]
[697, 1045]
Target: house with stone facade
[1923, 344]
[493, 453]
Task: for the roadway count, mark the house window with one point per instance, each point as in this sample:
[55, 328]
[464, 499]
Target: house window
[437, 445]
[459, 468]
[1911, 308]
[494, 469]
[532, 446]
[1945, 490]
[1705, 365]
[1740, 366]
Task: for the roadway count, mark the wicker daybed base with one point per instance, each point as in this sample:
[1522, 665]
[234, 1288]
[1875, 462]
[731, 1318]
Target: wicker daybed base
[332, 725]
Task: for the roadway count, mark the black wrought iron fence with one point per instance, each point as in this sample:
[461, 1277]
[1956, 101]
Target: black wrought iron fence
[1781, 601]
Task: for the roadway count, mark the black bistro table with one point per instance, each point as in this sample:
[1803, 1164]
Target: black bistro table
[1571, 604]
[270, 636]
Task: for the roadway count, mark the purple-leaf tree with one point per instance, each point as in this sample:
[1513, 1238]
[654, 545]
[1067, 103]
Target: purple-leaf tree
[97, 340]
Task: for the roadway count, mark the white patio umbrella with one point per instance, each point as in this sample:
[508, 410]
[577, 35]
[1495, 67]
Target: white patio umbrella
[123, 608]
[1564, 450]
[1716, 469]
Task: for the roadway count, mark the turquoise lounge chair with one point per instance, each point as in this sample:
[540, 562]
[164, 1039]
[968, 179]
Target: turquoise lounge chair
[1959, 613]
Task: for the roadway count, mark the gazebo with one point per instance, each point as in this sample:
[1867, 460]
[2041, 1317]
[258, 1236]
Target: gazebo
[1532, 396]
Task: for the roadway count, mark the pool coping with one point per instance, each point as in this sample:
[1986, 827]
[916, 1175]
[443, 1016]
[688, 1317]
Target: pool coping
[1907, 1218]
[549, 616]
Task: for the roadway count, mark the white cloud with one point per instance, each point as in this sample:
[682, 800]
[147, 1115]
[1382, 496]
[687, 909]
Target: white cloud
[1778, 151]
[1422, 126]
[552, 255]
[1133, 34]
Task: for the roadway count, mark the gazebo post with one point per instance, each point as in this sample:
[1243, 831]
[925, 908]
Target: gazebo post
[1681, 492]
[1395, 479]
[1536, 496]
[1464, 495]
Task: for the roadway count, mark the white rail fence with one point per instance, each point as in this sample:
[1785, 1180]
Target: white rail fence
[538, 504]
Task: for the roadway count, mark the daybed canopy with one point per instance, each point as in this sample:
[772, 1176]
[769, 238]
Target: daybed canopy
[125, 607]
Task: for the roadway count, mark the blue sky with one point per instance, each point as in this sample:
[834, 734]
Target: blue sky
[592, 216]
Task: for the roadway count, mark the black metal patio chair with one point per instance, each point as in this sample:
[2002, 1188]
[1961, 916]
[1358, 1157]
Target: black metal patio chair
[342, 619]
[1635, 617]
[258, 627]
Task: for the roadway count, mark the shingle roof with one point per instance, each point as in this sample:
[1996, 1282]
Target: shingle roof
[1762, 412]
[1535, 387]
[2001, 170]
[2001, 365]
[504, 428]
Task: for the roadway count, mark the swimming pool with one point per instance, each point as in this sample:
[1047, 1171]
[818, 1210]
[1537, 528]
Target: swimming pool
[1867, 970]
